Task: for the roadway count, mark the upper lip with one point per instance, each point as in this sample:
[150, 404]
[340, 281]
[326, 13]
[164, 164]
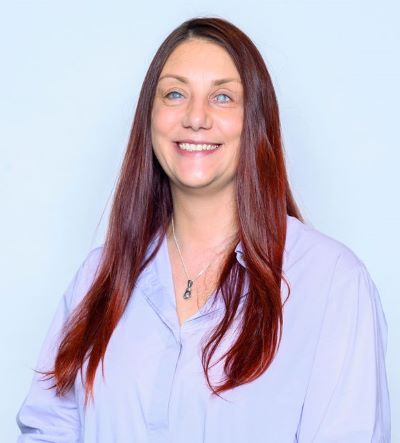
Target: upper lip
[198, 142]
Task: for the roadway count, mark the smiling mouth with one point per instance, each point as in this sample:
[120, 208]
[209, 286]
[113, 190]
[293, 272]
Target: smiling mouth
[197, 146]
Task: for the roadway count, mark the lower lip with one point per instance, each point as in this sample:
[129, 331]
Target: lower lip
[195, 153]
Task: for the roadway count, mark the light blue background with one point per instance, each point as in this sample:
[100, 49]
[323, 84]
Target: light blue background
[69, 80]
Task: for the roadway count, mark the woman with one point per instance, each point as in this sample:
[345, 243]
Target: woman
[212, 313]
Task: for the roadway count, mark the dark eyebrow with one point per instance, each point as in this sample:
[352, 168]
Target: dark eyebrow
[185, 80]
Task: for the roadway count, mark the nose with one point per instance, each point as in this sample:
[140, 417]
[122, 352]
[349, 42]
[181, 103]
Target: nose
[197, 114]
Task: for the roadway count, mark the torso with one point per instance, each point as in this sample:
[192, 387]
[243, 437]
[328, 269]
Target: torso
[153, 386]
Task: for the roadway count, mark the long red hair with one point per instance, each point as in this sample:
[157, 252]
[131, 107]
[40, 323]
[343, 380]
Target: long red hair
[142, 208]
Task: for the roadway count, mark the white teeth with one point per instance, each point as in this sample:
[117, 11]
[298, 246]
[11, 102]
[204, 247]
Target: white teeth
[197, 147]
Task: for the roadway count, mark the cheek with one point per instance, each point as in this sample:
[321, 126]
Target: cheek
[156, 123]
[232, 127]
[163, 120]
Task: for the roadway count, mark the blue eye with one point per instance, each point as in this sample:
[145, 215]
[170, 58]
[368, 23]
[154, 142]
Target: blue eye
[174, 94]
[225, 100]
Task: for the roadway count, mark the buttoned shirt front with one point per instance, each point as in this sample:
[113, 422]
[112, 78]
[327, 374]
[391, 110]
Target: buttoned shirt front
[327, 382]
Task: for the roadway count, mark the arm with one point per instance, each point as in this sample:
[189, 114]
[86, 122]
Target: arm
[347, 398]
[44, 417]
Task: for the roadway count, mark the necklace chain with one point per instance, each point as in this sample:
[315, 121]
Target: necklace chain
[188, 291]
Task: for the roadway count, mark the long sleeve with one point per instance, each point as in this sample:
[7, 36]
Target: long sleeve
[347, 398]
[43, 416]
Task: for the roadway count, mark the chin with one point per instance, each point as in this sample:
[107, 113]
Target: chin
[195, 184]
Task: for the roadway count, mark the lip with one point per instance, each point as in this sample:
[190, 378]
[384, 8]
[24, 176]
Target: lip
[184, 153]
[197, 142]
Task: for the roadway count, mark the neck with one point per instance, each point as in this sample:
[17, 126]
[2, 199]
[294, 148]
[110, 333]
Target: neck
[204, 223]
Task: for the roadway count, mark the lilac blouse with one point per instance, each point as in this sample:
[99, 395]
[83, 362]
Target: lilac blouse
[327, 382]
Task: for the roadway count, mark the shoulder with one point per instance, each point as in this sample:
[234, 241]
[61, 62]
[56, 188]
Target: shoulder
[92, 261]
[306, 245]
[84, 277]
[315, 257]
[342, 279]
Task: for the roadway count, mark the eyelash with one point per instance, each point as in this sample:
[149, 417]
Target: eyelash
[177, 92]
[172, 92]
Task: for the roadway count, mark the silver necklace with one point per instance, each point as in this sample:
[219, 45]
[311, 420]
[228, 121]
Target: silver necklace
[188, 291]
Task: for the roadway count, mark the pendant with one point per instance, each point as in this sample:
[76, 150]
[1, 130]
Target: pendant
[188, 292]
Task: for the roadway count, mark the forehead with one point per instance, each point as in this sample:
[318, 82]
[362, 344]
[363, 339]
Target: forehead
[196, 57]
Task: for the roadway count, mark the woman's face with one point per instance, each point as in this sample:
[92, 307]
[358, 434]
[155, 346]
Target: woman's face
[197, 117]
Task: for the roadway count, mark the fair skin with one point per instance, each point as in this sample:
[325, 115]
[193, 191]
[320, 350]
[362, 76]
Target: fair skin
[199, 102]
